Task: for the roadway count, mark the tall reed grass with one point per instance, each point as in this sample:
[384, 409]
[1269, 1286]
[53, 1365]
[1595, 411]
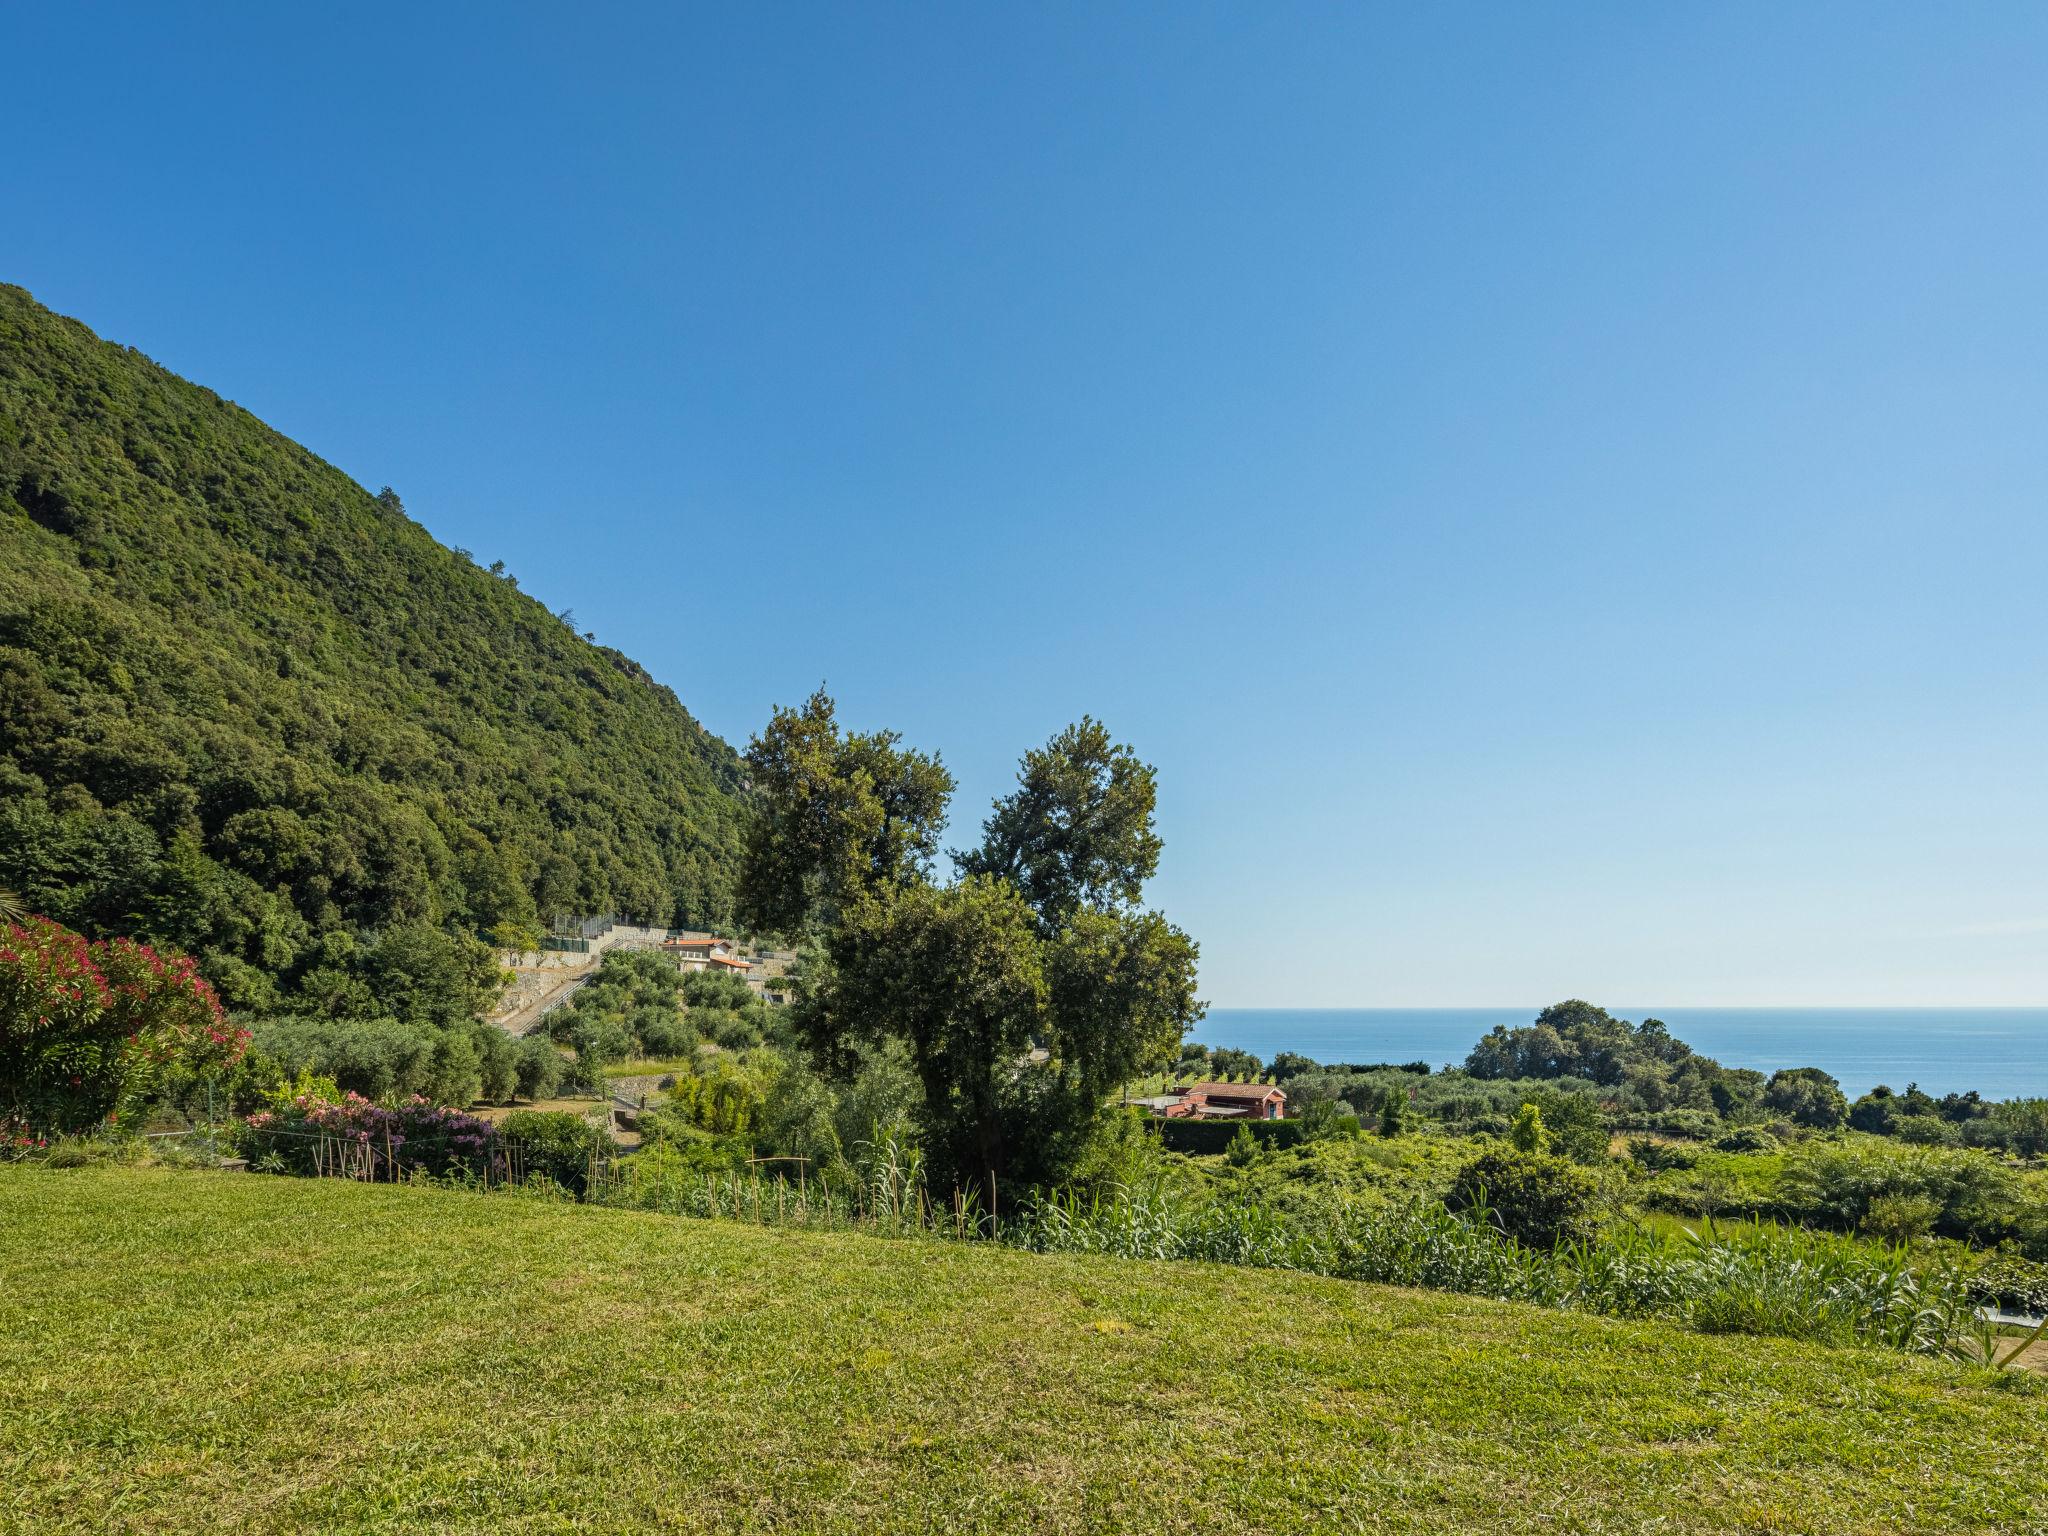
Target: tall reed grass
[1781, 1281]
[1749, 1279]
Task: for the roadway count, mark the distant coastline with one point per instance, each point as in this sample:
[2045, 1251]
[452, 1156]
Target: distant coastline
[2002, 1053]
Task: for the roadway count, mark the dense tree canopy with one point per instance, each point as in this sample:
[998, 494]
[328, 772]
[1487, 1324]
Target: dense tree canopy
[1573, 1039]
[251, 711]
[1077, 832]
[1576, 1039]
[1806, 1096]
[834, 815]
[956, 974]
[1040, 944]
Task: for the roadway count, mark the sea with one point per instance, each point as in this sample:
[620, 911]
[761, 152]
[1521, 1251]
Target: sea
[2000, 1052]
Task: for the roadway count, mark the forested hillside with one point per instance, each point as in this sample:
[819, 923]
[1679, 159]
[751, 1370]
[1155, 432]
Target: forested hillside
[250, 710]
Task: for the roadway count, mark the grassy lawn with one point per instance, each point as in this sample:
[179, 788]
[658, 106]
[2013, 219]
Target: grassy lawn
[202, 1352]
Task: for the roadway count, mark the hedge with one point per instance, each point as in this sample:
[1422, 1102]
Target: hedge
[1201, 1136]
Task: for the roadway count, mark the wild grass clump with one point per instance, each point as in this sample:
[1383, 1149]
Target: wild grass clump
[884, 1192]
[1779, 1282]
[1784, 1282]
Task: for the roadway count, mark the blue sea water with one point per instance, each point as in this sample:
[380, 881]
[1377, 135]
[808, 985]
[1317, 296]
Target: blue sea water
[2000, 1052]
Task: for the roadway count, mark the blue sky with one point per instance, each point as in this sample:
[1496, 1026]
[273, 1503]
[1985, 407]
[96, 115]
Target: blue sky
[1558, 492]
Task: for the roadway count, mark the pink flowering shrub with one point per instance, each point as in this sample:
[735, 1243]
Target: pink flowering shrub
[87, 1026]
[300, 1135]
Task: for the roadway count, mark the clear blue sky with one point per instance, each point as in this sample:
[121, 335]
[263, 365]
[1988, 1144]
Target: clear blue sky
[1558, 491]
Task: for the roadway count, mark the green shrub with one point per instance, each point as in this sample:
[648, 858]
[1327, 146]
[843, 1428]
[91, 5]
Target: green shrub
[1539, 1200]
[580, 1076]
[716, 989]
[553, 1143]
[731, 1029]
[723, 1100]
[1325, 1118]
[383, 1058]
[1198, 1137]
[1661, 1155]
[1926, 1130]
[668, 1037]
[2023, 1125]
[1747, 1138]
[1573, 1124]
[1527, 1133]
[1243, 1150]
[599, 1041]
[497, 1065]
[2006, 1278]
[1806, 1096]
[537, 1068]
[1835, 1184]
[796, 1116]
[1395, 1115]
[1900, 1218]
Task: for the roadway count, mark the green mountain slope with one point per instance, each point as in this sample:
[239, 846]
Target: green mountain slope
[251, 710]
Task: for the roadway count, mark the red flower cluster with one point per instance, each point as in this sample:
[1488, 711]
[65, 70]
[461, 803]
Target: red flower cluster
[86, 1024]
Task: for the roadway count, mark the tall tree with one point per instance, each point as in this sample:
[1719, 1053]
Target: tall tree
[1040, 943]
[833, 815]
[957, 975]
[1121, 992]
[1076, 834]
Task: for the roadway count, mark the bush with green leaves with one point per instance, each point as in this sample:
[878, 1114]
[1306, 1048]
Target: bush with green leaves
[1806, 1096]
[1972, 1195]
[2007, 1278]
[537, 1069]
[1900, 1218]
[1325, 1118]
[2023, 1126]
[87, 1027]
[1747, 1138]
[1527, 1132]
[716, 989]
[554, 1143]
[1927, 1131]
[1658, 1155]
[668, 1037]
[1243, 1150]
[1533, 1197]
[728, 1028]
[599, 1041]
[384, 1059]
[796, 1116]
[723, 1099]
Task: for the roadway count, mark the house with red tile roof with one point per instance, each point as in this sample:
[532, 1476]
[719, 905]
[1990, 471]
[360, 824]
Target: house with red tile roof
[1222, 1101]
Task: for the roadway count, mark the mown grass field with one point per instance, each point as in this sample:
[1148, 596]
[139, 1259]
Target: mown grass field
[207, 1352]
